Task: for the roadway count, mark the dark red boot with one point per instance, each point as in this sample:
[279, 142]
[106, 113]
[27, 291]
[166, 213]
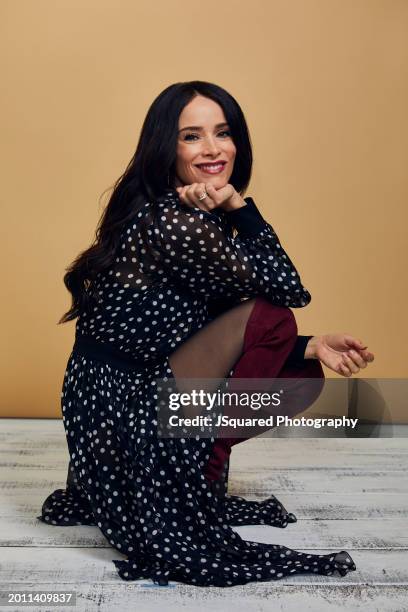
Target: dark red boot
[270, 336]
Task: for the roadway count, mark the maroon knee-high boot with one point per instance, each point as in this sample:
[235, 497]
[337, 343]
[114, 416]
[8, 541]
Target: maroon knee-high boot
[270, 336]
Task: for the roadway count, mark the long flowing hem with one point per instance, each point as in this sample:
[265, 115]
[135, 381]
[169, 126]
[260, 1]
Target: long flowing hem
[222, 567]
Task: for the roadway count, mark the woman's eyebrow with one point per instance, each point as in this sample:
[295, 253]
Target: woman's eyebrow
[197, 127]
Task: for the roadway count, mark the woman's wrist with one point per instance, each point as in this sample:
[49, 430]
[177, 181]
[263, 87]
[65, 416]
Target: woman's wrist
[310, 352]
[235, 202]
[246, 219]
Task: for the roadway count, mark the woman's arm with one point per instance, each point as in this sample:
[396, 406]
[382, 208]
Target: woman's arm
[194, 250]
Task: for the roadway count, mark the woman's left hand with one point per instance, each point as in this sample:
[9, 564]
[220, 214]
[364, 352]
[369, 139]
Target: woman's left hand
[226, 197]
[342, 353]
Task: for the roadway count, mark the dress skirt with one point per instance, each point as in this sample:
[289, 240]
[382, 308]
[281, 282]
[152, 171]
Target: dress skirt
[151, 497]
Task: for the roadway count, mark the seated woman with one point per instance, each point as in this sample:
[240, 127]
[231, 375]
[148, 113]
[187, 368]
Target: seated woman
[185, 280]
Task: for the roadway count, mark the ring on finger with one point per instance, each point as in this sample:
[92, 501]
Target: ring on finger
[203, 195]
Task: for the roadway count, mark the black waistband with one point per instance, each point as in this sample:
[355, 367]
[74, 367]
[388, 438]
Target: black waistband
[94, 349]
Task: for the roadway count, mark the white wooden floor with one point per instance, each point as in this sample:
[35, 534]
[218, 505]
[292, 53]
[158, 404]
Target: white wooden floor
[348, 494]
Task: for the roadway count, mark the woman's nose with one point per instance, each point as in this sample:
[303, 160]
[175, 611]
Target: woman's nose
[211, 146]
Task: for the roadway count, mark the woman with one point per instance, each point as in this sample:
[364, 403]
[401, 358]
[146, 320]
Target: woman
[168, 291]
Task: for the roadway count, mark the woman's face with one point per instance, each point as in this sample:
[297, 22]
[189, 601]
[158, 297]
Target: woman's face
[205, 150]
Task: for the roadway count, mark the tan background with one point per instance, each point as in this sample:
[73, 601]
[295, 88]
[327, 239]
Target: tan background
[324, 87]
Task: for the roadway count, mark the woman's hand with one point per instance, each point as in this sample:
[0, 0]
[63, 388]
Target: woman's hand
[341, 353]
[226, 198]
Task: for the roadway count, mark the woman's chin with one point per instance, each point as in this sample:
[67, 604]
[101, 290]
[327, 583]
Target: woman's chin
[216, 181]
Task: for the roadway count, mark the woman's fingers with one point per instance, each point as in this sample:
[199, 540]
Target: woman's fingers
[190, 195]
[354, 342]
[349, 363]
[193, 196]
[344, 370]
[352, 361]
[357, 358]
[214, 194]
[361, 356]
[344, 365]
[182, 195]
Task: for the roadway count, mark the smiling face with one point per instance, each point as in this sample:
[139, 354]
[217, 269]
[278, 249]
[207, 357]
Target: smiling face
[205, 149]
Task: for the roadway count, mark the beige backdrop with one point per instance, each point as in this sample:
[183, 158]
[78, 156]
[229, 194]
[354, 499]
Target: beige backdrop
[323, 84]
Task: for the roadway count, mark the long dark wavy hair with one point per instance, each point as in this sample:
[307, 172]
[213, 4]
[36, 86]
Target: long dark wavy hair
[149, 174]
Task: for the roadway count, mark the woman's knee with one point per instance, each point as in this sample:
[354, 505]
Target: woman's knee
[310, 384]
[273, 315]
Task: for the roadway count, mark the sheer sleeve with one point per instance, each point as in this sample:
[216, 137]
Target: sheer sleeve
[196, 249]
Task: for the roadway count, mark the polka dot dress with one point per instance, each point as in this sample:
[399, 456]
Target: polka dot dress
[147, 494]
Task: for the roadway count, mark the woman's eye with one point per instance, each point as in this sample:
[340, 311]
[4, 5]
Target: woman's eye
[187, 136]
[191, 137]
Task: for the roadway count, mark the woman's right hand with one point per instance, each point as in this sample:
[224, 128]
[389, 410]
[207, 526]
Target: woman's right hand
[342, 353]
[226, 198]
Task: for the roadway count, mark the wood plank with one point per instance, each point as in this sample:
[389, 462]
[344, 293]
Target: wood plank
[242, 481]
[79, 565]
[51, 432]
[332, 480]
[259, 456]
[252, 597]
[315, 506]
[306, 534]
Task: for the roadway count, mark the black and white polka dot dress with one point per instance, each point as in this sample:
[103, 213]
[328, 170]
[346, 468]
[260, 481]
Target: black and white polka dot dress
[148, 494]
